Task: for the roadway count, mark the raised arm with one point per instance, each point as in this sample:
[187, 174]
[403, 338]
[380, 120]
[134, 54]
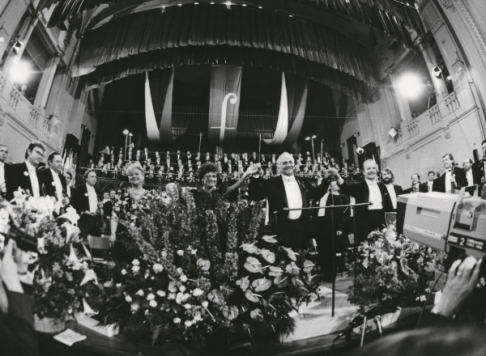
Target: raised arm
[249, 172]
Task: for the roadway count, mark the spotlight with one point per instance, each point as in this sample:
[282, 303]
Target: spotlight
[228, 3]
[437, 71]
[17, 46]
[410, 85]
[360, 150]
[20, 72]
[125, 132]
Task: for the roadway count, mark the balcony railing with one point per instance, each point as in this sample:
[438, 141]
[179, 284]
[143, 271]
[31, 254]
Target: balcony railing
[458, 101]
[16, 105]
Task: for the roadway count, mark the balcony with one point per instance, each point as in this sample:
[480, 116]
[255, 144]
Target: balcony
[451, 107]
[18, 108]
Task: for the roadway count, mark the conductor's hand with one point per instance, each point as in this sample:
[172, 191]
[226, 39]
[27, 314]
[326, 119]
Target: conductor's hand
[460, 284]
[253, 169]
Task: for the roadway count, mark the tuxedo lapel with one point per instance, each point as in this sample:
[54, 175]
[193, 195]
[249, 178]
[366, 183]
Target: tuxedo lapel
[281, 188]
[303, 192]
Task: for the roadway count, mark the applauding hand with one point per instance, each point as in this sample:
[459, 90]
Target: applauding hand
[253, 169]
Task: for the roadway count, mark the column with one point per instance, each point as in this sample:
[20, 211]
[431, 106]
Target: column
[46, 83]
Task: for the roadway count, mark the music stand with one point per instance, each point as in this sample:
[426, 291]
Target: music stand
[333, 244]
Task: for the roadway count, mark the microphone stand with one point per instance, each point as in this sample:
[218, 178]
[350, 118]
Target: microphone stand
[332, 207]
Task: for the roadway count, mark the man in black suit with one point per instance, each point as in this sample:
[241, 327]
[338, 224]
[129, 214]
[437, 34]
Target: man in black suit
[478, 167]
[286, 191]
[453, 178]
[372, 217]
[3, 168]
[388, 178]
[416, 186]
[85, 198]
[324, 232]
[24, 175]
[51, 179]
[473, 176]
[429, 185]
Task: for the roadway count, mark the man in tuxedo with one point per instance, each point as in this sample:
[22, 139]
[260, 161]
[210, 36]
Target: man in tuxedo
[478, 166]
[416, 186]
[388, 178]
[51, 179]
[372, 217]
[3, 167]
[85, 198]
[286, 191]
[473, 176]
[324, 232]
[68, 177]
[24, 175]
[453, 178]
[429, 185]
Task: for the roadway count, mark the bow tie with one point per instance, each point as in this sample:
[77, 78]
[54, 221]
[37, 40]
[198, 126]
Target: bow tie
[290, 179]
[449, 170]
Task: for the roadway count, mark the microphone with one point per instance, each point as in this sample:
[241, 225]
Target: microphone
[357, 321]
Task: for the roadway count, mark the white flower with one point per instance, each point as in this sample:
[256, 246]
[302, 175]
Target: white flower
[171, 296]
[187, 306]
[135, 268]
[182, 289]
[197, 292]
[134, 306]
[179, 298]
[124, 271]
[118, 285]
[188, 323]
[179, 270]
[183, 278]
[177, 320]
[128, 299]
[180, 252]
[153, 303]
[140, 293]
[205, 304]
[136, 262]
[151, 296]
[164, 254]
[185, 296]
[158, 268]
[197, 316]
[160, 293]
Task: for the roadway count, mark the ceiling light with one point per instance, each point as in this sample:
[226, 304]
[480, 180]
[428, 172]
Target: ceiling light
[20, 72]
[259, 7]
[196, 3]
[410, 85]
[244, 5]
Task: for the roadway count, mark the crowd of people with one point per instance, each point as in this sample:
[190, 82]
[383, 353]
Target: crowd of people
[183, 167]
[286, 192]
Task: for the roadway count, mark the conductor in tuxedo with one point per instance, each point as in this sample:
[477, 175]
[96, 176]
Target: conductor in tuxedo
[286, 191]
[52, 181]
[453, 178]
[325, 234]
[24, 175]
[372, 217]
[388, 178]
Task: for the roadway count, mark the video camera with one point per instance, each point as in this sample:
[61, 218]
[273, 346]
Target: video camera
[445, 222]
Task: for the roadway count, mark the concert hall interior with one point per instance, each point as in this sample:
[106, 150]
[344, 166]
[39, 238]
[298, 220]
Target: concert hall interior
[242, 177]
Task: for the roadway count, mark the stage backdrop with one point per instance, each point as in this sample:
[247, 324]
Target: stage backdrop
[224, 103]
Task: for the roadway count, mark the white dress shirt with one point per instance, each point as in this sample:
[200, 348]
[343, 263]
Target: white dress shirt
[448, 181]
[294, 196]
[322, 203]
[93, 199]
[430, 185]
[469, 176]
[57, 183]
[34, 182]
[3, 187]
[375, 196]
[393, 194]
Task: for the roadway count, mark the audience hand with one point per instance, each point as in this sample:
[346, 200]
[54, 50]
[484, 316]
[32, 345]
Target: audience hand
[253, 169]
[460, 284]
[9, 268]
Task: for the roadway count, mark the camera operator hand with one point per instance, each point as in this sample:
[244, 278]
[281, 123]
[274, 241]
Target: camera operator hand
[9, 268]
[460, 284]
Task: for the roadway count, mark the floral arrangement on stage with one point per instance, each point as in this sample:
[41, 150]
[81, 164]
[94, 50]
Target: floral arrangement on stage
[206, 274]
[63, 283]
[392, 271]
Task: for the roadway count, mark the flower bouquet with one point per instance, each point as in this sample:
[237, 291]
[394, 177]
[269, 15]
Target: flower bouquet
[392, 272]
